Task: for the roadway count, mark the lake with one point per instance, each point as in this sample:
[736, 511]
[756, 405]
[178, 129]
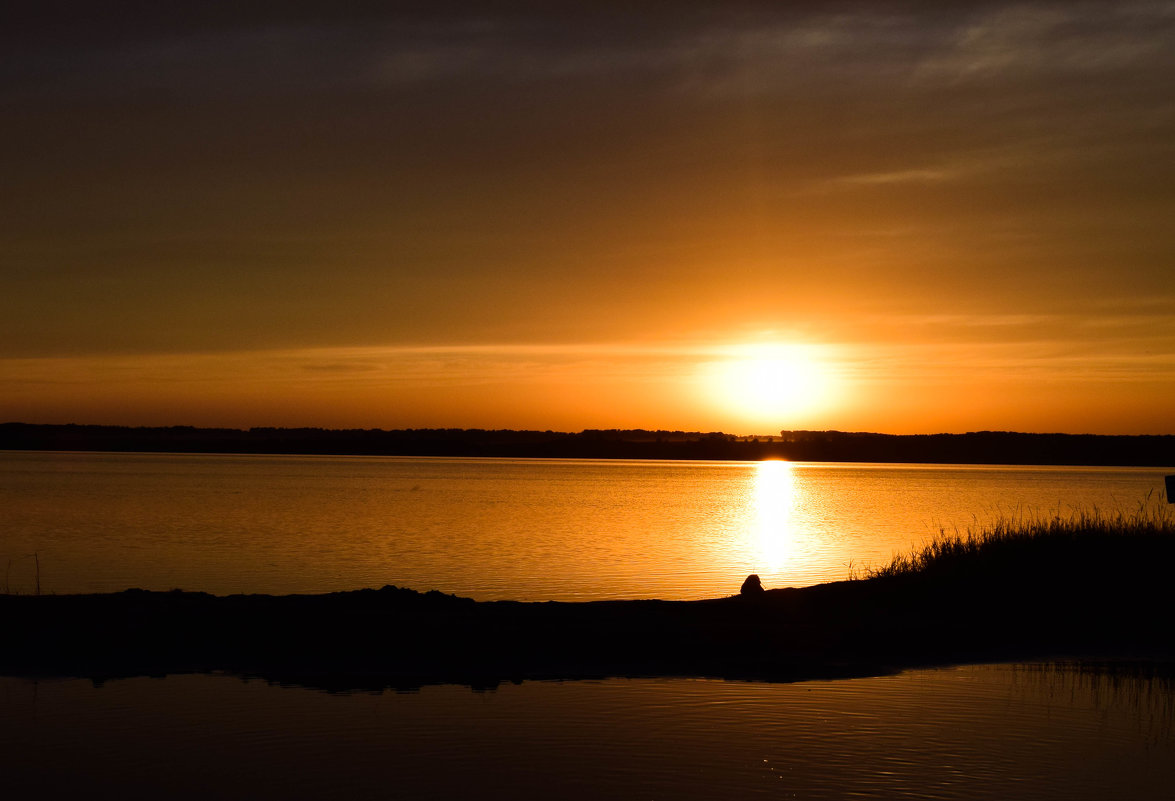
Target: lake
[496, 528]
[562, 530]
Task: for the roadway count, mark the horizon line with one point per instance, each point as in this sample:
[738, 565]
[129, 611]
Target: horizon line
[777, 434]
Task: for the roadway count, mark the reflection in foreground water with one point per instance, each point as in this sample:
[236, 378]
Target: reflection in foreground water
[991, 731]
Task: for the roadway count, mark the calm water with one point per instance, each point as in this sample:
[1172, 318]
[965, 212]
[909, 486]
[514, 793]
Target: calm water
[549, 530]
[529, 530]
[994, 732]
[491, 528]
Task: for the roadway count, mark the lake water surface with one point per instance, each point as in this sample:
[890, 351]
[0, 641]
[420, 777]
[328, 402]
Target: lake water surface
[998, 732]
[535, 530]
[496, 528]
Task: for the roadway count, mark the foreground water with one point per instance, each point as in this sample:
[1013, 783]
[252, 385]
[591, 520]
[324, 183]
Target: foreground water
[974, 732]
[493, 528]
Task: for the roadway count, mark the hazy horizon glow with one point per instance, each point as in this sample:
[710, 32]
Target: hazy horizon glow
[573, 217]
[570, 388]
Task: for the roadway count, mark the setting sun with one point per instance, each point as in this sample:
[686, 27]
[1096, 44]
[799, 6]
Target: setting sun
[772, 384]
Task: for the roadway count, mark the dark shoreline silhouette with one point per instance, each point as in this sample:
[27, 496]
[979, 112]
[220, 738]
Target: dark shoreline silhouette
[983, 447]
[400, 638]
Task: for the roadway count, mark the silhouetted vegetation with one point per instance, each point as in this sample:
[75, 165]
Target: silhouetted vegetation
[1083, 546]
[984, 447]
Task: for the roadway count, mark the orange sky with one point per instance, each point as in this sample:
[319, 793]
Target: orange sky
[945, 216]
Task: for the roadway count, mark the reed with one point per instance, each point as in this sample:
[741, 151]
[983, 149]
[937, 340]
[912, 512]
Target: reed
[36, 557]
[1084, 543]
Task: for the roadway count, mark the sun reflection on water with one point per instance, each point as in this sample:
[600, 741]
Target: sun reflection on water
[775, 499]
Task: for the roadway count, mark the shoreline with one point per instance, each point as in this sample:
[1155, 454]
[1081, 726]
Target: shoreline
[977, 447]
[1084, 587]
[403, 639]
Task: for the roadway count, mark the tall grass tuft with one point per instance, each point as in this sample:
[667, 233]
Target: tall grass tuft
[1085, 544]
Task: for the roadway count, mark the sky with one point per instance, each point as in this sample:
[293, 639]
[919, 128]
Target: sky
[741, 216]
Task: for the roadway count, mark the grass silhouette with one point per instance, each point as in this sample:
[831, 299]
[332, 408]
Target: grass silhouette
[1085, 545]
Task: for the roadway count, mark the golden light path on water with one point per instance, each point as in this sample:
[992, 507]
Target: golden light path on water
[774, 504]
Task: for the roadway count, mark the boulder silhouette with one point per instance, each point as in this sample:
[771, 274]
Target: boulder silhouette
[751, 586]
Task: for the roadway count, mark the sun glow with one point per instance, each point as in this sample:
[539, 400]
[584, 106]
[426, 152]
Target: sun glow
[772, 384]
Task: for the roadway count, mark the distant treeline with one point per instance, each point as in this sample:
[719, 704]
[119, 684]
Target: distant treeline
[983, 447]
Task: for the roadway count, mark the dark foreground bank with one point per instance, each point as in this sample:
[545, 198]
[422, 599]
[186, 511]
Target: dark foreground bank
[400, 638]
[1087, 586]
